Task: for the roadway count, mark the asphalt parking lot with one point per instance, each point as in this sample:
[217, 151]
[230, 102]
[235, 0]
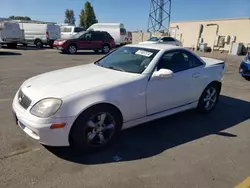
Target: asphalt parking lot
[184, 150]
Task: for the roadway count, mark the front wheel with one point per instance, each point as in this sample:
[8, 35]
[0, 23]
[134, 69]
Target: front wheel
[72, 49]
[208, 99]
[96, 128]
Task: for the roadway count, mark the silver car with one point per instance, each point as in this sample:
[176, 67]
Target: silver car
[162, 39]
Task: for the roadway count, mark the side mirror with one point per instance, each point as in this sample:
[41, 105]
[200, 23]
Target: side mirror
[163, 73]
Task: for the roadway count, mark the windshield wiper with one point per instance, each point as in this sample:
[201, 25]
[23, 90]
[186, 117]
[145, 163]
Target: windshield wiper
[109, 67]
[115, 68]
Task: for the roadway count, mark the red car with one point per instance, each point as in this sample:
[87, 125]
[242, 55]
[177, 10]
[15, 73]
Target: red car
[89, 40]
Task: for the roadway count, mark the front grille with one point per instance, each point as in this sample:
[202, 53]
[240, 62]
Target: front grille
[23, 100]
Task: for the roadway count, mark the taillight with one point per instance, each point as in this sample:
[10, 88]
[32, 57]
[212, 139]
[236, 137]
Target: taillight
[47, 35]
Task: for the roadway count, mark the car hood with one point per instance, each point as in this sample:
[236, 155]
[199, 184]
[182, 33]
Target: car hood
[68, 81]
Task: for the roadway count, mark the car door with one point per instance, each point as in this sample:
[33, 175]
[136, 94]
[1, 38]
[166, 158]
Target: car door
[85, 41]
[198, 75]
[97, 40]
[172, 92]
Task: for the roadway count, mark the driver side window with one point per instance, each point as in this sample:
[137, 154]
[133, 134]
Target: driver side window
[86, 36]
[175, 61]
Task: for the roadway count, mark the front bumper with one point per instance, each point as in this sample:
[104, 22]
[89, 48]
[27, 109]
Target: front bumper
[244, 69]
[39, 128]
[58, 47]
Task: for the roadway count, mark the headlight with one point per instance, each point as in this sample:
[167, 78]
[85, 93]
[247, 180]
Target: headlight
[61, 42]
[46, 107]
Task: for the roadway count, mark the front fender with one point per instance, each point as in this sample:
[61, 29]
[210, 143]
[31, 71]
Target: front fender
[129, 98]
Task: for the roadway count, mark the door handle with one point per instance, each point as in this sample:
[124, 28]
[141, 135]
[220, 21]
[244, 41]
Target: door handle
[196, 75]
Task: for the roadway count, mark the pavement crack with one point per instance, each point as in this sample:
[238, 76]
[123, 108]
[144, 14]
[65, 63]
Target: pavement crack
[20, 152]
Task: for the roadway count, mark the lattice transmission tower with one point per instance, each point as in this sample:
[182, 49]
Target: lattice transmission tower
[159, 16]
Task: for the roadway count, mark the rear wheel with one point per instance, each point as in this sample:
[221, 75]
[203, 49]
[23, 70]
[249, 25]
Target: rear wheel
[72, 49]
[38, 43]
[96, 128]
[209, 98]
[105, 49]
[12, 45]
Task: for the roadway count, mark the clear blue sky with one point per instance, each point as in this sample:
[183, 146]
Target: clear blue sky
[133, 13]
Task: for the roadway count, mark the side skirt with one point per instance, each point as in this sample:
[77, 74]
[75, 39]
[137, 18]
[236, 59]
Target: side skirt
[149, 118]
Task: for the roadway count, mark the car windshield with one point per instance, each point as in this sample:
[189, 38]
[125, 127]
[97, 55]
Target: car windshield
[128, 59]
[154, 39]
[66, 29]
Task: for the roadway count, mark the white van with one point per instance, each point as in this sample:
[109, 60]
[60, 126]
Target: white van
[40, 34]
[67, 31]
[116, 30]
[10, 33]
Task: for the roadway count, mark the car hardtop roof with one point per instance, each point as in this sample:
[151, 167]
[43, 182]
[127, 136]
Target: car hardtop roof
[156, 46]
[92, 31]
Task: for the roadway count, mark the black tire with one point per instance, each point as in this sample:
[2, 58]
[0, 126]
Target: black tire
[38, 43]
[96, 51]
[202, 105]
[246, 78]
[105, 49]
[51, 46]
[12, 45]
[80, 131]
[72, 49]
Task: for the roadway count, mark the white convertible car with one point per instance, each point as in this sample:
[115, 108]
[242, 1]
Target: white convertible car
[86, 106]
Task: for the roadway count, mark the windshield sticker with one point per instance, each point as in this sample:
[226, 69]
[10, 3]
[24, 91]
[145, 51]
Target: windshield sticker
[144, 53]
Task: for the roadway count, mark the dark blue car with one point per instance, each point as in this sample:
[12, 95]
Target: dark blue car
[245, 67]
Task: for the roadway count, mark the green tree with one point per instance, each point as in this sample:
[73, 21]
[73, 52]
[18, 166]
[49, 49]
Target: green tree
[81, 19]
[87, 16]
[20, 18]
[69, 17]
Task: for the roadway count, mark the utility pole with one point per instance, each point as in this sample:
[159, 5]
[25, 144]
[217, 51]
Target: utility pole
[159, 16]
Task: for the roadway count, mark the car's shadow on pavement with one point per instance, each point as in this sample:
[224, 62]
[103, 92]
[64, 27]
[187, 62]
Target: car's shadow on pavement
[4, 53]
[152, 138]
[26, 48]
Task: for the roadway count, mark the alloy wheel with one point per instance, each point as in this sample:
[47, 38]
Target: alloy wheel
[72, 49]
[210, 98]
[100, 129]
[106, 49]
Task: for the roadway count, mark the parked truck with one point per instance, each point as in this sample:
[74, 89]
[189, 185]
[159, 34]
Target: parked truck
[40, 33]
[10, 33]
